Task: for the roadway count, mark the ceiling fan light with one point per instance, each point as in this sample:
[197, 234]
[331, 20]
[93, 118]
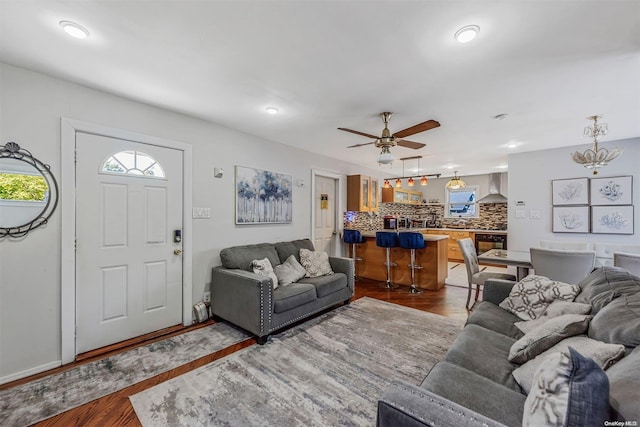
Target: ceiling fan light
[410, 182]
[424, 180]
[385, 157]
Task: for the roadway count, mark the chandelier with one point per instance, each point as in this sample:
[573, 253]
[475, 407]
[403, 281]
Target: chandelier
[596, 158]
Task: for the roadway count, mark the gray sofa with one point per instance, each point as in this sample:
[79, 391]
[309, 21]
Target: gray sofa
[249, 301]
[474, 385]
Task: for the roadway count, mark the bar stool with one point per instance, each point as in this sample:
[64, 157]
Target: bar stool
[388, 240]
[353, 237]
[412, 241]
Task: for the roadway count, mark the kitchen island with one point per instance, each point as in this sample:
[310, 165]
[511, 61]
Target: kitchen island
[433, 259]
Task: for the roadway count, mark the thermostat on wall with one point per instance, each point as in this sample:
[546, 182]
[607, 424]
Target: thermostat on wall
[520, 203]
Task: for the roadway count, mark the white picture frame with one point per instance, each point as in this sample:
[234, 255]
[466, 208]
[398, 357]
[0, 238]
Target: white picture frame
[570, 219]
[612, 219]
[570, 192]
[613, 190]
[263, 197]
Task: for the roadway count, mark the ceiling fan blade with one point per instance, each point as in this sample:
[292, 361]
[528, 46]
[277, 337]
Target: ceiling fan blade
[360, 145]
[359, 133]
[421, 127]
[410, 144]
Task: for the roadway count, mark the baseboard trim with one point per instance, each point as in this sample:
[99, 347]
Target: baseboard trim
[31, 371]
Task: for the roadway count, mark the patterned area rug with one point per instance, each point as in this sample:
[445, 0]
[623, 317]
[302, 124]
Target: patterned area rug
[329, 371]
[37, 400]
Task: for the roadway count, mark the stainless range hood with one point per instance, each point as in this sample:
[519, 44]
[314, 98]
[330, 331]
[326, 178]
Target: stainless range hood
[495, 190]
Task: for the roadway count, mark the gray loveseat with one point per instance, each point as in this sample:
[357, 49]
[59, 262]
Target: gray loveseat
[474, 385]
[249, 301]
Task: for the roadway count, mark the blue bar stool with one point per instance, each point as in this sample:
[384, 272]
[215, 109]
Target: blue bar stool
[388, 239]
[353, 237]
[412, 241]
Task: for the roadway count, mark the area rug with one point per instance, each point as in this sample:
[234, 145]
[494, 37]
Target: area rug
[329, 371]
[40, 399]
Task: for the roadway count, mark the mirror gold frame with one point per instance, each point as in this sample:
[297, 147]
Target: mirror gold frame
[12, 150]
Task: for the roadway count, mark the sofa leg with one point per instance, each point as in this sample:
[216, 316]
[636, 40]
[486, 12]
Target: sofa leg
[262, 340]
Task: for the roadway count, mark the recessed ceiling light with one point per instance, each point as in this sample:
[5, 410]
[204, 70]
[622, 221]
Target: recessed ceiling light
[512, 144]
[74, 30]
[502, 166]
[466, 34]
[272, 110]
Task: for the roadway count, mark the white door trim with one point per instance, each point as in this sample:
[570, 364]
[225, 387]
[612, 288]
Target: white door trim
[69, 127]
[339, 210]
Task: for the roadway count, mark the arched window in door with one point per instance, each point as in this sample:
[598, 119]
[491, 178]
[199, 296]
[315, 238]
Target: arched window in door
[133, 163]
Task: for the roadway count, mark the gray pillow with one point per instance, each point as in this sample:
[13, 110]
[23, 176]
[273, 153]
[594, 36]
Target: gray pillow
[555, 309]
[546, 335]
[289, 271]
[569, 390]
[624, 378]
[602, 353]
[604, 285]
[618, 322]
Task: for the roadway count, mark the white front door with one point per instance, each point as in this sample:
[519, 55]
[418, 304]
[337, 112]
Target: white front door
[325, 206]
[128, 264]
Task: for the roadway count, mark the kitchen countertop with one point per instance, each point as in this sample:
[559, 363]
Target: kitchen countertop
[473, 230]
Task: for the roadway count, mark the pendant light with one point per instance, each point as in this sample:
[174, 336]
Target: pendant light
[456, 183]
[597, 157]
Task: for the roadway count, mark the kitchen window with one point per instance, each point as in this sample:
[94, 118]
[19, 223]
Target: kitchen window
[462, 203]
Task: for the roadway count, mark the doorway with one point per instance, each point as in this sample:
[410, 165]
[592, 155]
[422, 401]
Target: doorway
[326, 208]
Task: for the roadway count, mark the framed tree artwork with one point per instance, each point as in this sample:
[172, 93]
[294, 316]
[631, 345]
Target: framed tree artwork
[570, 192]
[570, 219]
[615, 190]
[262, 197]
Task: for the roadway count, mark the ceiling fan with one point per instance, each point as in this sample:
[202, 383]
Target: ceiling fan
[388, 140]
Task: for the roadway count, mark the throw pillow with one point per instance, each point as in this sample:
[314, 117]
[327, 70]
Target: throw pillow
[531, 296]
[618, 322]
[289, 271]
[555, 309]
[546, 335]
[263, 267]
[602, 353]
[315, 263]
[569, 390]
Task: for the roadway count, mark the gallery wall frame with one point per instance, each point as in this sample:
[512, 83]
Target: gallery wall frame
[570, 219]
[613, 190]
[570, 192]
[612, 219]
[262, 197]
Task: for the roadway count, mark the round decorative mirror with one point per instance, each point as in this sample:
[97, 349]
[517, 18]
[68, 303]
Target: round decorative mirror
[28, 191]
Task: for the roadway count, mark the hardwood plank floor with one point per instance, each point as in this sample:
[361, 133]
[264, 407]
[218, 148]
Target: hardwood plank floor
[116, 410]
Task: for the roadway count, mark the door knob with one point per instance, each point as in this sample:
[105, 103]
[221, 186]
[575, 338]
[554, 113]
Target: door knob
[177, 251]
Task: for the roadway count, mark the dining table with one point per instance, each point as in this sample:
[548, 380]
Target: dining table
[521, 260]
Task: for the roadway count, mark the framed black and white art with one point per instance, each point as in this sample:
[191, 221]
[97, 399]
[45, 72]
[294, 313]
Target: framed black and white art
[614, 190]
[612, 219]
[570, 219]
[570, 192]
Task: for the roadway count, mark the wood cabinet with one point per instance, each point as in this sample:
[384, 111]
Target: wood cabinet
[453, 249]
[401, 195]
[362, 193]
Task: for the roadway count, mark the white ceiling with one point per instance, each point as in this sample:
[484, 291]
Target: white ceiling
[330, 64]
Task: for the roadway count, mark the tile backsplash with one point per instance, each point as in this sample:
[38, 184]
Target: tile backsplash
[493, 216]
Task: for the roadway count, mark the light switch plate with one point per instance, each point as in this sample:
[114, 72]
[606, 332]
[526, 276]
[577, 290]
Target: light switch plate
[201, 213]
[520, 213]
[535, 214]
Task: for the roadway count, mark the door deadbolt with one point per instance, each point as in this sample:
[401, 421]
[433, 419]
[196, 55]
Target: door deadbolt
[177, 251]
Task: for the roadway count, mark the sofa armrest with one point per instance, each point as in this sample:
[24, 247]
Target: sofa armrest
[242, 297]
[407, 405]
[496, 290]
[346, 266]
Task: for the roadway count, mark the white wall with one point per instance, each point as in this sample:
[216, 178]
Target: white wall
[530, 176]
[31, 107]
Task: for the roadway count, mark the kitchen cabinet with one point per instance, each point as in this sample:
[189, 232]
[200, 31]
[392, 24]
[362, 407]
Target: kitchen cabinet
[453, 249]
[362, 193]
[401, 195]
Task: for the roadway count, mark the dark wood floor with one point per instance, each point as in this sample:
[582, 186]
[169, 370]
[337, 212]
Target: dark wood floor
[116, 410]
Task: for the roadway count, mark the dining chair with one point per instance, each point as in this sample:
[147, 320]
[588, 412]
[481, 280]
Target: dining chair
[630, 262]
[568, 266]
[474, 275]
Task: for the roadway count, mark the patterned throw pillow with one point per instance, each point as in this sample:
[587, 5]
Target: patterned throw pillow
[289, 271]
[546, 335]
[316, 263]
[531, 296]
[569, 390]
[263, 267]
[555, 309]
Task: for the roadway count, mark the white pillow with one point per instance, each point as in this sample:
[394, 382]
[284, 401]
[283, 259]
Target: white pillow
[531, 296]
[555, 309]
[289, 271]
[315, 263]
[263, 267]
